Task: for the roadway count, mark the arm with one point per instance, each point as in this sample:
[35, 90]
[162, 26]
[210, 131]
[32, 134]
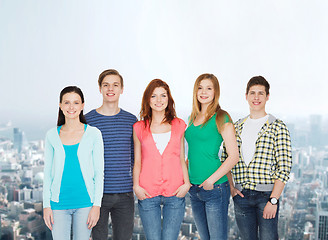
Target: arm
[98, 166]
[183, 189]
[269, 209]
[228, 135]
[283, 156]
[234, 191]
[139, 191]
[48, 160]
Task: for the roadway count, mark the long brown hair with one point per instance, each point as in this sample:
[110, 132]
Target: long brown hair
[146, 112]
[213, 108]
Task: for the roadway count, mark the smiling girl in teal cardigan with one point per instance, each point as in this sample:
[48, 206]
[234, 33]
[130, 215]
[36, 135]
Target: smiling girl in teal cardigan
[74, 169]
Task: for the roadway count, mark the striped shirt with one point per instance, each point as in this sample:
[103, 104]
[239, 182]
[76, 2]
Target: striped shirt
[117, 132]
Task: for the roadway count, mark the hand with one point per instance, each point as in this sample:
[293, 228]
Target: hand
[269, 211]
[141, 193]
[234, 191]
[182, 190]
[93, 216]
[48, 217]
[207, 185]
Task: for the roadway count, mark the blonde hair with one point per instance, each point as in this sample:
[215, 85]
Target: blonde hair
[213, 108]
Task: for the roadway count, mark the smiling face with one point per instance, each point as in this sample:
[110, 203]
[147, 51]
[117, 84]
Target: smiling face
[159, 100]
[71, 105]
[111, 88]
[257, 98]
[205, 92]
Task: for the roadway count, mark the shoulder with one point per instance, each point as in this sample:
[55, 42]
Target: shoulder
[240, 121]
[51, 132]
[279, 125]
[139, 124]
[179, 122]
[128, 114]
[91, 113]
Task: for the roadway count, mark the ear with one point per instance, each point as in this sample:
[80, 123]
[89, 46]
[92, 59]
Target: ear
[122, 90]
[82, 106]
[267, 97]
[100, 89]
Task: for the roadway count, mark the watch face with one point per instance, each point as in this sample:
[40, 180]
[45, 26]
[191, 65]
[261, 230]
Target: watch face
[274, 201]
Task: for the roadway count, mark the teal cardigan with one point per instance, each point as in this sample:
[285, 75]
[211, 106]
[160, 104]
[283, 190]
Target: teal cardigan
[91, 157]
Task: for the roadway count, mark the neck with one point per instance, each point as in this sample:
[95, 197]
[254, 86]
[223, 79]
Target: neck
[72, 124]
[204, 108]
[256, 115]
[109, 109]
[157, 117]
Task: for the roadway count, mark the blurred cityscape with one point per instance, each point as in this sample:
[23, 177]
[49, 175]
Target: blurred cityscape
[303, 210]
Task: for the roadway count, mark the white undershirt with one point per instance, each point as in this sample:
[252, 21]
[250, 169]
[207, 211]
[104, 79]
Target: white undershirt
[249, 136]
[161, 140]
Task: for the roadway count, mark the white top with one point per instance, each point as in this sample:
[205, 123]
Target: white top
[161, 140]
[249, 136]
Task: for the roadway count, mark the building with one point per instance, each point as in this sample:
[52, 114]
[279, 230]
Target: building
[322, 221]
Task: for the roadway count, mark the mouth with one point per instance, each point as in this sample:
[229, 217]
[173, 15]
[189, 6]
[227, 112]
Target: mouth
[70, 112]
[203, 97]
[256, 103]
[110, 94]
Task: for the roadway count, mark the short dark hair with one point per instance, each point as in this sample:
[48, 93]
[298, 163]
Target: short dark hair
[69, 89]
[258, 80]
[109, 72]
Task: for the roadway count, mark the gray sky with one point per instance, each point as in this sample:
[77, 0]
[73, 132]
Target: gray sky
[47, 45]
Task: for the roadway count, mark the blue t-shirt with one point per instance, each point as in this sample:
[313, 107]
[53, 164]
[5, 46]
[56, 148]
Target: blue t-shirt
[73, 192]
[117, 132]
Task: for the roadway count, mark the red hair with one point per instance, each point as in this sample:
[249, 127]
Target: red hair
[146, 111]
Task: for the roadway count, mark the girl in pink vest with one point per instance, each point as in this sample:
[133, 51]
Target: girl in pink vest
[160, 176]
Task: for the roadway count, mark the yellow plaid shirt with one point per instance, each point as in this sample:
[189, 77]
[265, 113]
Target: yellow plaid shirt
[272, 158]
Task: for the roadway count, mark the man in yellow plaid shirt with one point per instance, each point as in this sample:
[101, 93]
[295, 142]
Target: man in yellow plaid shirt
[265, 161]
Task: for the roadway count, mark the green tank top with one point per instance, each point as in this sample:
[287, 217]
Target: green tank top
[203, 151]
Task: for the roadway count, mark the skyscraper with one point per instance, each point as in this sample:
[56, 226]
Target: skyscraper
[18, 139]
[322, 221]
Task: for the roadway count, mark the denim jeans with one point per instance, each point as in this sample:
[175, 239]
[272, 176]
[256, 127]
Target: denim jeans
[210, 211]
[61, 229]
[121, 208]
[151, 217]
[249, 216]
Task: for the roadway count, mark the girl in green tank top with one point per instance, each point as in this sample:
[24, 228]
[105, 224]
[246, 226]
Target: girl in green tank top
[209, 125]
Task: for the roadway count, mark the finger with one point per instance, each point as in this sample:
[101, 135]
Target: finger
[147, 194]
[90, 224]
[52, 218]
[202, 185]
[48, 224]
[240, 194]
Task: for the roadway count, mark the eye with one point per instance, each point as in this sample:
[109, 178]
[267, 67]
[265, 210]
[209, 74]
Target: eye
[152, 96]
[163, 95]
[209, 88]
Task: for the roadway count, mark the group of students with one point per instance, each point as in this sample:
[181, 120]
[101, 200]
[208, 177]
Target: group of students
[94, 163]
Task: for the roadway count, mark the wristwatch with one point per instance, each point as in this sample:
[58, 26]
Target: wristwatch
[274, 201]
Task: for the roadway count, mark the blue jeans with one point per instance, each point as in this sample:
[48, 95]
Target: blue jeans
[210, 210]
[120, 206]
[151, 217]
[61, 229]
[249, 216]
